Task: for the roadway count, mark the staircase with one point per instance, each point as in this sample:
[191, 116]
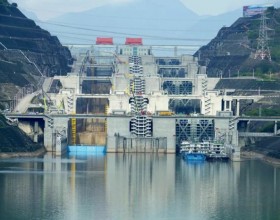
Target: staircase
[50, 122]
[204, 85]
[136, 69]
[138, 102]
[232, 123]
[141, 126]
[69, 106]
[135, 60]
[207, 105]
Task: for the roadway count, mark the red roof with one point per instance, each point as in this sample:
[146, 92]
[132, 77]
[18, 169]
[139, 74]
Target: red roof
[104, 40]
[133, 41]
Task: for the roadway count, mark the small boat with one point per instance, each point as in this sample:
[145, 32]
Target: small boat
[217, 152]
[192, 151]
[195, 156]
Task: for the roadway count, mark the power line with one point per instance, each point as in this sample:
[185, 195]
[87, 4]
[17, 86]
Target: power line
[114, 33]
[125, 18]
[83, 25]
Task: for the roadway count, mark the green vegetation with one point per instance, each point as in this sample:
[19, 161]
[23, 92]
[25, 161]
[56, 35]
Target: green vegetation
[253, 33]
[263, 112]
[274, 35]
[2, 106]
[273, 43]
[244, 33]
[273, 21]
[274, 154]
[265, 146]
[13, 73]
[275, 51]
[3, 2]
[3, 122]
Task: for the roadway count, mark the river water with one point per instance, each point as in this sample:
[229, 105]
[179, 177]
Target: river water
[137, 186]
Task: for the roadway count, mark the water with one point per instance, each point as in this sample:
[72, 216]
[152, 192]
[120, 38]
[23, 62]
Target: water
[137, 186]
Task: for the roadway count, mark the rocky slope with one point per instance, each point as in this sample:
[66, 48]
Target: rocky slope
[27, 53]
[12, 139]
[231, 52]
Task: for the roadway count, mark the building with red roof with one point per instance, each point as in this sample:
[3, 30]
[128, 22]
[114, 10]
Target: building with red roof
[104, 41]
[133, 41]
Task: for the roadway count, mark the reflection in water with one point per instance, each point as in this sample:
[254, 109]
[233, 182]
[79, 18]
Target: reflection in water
[136, 186]
[140, 185]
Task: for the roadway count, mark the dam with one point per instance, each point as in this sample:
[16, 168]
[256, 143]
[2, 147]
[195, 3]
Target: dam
[128, 99]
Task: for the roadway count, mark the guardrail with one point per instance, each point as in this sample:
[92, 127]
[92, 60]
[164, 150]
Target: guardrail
[255, 134]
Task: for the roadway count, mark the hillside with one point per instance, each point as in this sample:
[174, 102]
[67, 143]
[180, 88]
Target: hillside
[231, 52]
[22, 45]
[12, 139]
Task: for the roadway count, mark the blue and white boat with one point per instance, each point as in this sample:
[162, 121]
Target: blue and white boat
[205, 150]
[193, 151]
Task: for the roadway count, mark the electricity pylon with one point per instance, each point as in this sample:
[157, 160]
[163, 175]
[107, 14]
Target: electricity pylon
[263, 50]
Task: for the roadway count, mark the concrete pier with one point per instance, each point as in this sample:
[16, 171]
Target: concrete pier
[56, 134]
[140, 145]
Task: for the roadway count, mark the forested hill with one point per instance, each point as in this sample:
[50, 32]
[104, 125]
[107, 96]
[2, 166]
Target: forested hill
[231, 52]
[23, 43]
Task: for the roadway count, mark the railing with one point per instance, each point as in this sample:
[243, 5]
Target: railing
[255, 134]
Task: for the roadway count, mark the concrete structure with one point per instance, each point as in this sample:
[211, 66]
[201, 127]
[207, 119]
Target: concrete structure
[146, 95]
[163, 80]
[56, 134]
[169, 132]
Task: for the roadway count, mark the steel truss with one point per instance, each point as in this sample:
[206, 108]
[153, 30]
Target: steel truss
[194, 130]
[185, 106]
[178, 87]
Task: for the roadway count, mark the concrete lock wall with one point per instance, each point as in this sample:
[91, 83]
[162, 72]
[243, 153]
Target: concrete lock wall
[158, 103]
[54, 126]
[116, 126]
[153, 84]
[119, 136]
[141, 144]
[166, 127]
[119, 102]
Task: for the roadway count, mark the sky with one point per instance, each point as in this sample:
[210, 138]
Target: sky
[47, 9]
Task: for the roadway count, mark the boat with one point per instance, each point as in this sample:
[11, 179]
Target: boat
[217, 151]
[192, 151]
[205, 150]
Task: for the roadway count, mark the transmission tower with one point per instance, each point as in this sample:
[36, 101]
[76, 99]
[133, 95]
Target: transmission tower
[263, 50]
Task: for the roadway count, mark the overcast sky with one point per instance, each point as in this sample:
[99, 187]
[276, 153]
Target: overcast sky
[46, 9]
